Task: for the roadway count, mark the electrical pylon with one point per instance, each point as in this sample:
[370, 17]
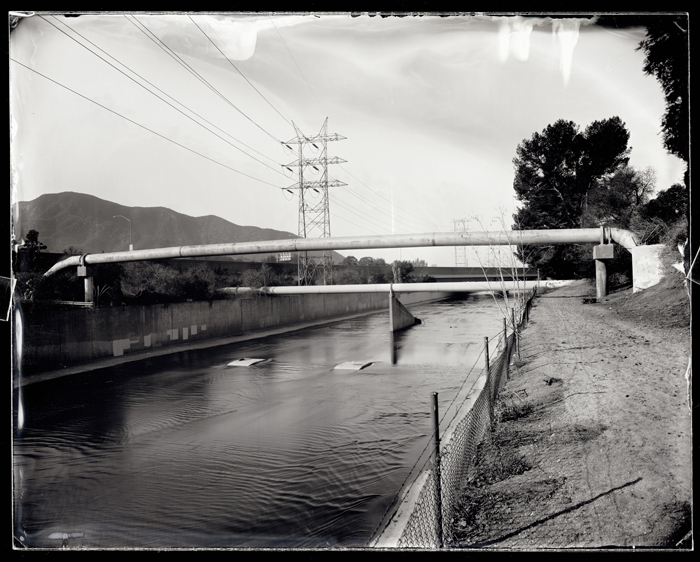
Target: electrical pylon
[460, 225]
[314, 210]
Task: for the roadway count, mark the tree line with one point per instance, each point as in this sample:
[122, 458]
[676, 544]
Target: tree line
[151, 282]
[569, 177]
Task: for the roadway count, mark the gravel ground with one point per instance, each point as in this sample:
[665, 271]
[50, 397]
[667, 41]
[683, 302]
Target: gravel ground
[593, 446]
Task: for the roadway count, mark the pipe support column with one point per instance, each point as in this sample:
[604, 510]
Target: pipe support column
[89, 289]
[600, 253]
[89, 274]
[601, 279]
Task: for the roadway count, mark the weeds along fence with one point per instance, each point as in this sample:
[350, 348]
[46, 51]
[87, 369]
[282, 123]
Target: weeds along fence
[424, 512]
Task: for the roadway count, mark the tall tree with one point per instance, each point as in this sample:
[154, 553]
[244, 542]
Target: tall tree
[25, 262]
[666, 57]
[556, 170]
[669, 205]
[401, 271]
[644, 185]
[32, 246]
[367, 260]
[614, 199]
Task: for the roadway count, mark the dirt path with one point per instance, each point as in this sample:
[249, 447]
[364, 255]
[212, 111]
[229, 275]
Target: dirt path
[593, 449]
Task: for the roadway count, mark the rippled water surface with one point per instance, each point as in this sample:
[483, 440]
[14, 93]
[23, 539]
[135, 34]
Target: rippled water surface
[184, 451]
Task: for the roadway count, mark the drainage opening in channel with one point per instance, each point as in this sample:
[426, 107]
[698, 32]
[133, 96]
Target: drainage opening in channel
[353, 365]
[245, 362]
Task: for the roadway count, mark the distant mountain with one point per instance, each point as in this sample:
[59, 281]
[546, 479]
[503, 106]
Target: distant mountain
[86, 222]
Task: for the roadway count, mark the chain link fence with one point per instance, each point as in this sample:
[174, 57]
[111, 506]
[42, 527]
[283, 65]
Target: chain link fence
[424, 515]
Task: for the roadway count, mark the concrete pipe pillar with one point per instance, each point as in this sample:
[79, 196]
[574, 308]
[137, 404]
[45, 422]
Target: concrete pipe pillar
[601, 253]
[89, 274]
[89, 289]
[601, 279]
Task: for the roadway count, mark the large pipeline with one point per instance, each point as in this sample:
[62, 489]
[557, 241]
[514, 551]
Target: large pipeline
[625, 238]
[453, 287]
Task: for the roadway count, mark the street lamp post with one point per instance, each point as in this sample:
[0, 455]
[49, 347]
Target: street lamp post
[131, 245]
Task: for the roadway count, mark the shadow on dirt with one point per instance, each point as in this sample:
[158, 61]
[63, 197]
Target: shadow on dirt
[554, 487]
[507, 488]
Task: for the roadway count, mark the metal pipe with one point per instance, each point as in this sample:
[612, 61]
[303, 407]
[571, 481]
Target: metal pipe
[495, 238]
[453, 287]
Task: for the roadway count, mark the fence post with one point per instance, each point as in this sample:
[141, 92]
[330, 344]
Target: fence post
[486, 354]
[516, 338]
[527, 311]
[505, 347]
[436, 464]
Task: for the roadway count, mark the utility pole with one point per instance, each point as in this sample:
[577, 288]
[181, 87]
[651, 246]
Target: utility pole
[314, 209]
[460, 225]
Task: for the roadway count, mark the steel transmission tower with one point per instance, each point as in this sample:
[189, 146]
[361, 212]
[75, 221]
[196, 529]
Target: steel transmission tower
[314, 210]
[460, 225]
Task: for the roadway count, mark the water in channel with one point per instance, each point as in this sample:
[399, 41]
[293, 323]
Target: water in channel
[183, 450]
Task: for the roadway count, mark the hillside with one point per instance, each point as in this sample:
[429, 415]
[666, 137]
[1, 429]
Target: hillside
[86, 222]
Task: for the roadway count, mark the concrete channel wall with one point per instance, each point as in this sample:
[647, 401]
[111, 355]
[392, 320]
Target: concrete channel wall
[55, 339]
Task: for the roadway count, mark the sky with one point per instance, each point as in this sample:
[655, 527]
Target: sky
[190, 112]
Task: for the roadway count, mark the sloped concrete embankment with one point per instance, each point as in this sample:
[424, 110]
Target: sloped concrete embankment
[58, 339]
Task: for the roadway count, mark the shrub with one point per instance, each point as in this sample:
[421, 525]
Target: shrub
[347, 277]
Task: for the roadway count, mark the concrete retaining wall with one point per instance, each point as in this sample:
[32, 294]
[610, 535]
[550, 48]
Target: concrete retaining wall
[54, 339]
[646, 266]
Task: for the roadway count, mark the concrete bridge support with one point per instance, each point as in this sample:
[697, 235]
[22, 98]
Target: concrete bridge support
[399, 316]
[89, 274]
[601, 253]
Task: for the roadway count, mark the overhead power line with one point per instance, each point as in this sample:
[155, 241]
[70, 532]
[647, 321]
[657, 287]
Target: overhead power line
[148, 90]
[347, 207]
[142, 126]
[314, 218]
[147, 33]
[295, 64]
[420, 219]
[388, 200]
[363, 217]
[203, 80]
[237, 69]
[405, 224]
[355, 224]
